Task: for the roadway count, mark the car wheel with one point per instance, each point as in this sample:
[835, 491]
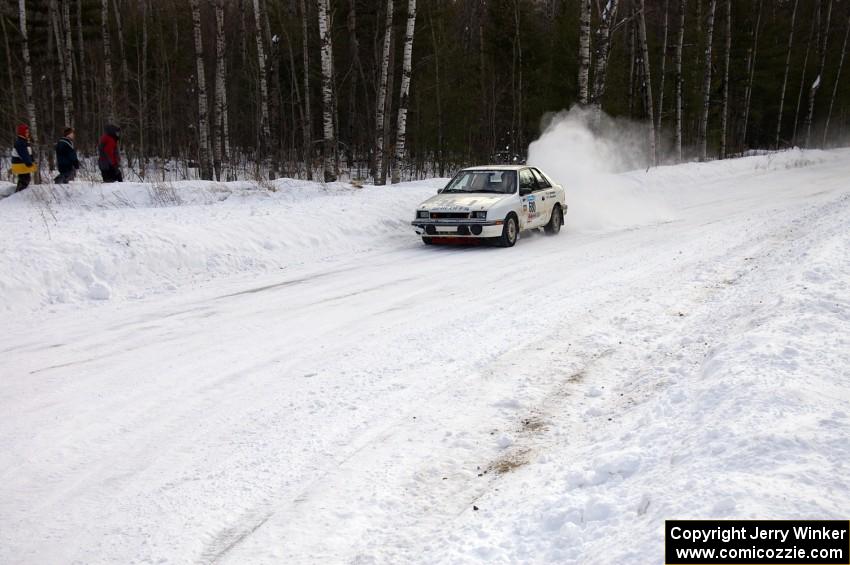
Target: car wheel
[555, 221]
[427, 240]
[510, 231]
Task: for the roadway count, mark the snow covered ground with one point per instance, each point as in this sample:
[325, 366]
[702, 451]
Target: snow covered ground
[199, 372]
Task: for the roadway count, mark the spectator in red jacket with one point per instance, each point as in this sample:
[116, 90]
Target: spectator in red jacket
[109, 158]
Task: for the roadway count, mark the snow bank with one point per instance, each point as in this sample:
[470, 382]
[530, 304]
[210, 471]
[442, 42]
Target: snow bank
[95, 242]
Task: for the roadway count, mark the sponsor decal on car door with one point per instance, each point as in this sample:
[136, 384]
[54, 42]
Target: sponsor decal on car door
[530, 199]
[546, 197]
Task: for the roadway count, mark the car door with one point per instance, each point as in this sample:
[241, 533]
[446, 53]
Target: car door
[537, 201]
[528, 194]
[548, 195]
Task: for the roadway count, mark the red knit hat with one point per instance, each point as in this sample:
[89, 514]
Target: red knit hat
[23, 130]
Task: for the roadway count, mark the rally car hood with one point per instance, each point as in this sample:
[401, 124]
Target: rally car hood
[456, 202]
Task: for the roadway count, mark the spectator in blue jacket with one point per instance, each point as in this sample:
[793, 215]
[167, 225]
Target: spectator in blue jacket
[22, 157]
[66, 157]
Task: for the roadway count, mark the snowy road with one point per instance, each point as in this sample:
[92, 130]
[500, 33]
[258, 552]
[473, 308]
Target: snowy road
[414, 404]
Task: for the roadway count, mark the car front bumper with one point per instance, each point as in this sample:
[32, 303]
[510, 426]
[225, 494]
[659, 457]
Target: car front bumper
[457, 227]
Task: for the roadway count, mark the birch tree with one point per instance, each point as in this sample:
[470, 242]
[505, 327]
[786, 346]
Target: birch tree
[9, 68]
[107, 59]
[706, 82]
[119, 27]
[837, 82]
[785, 76]
[68, 52]
[816, 84]
[663, 64]
[602, 47]
[142, 82]
[724, 117]
[382, 96]
[25, 52]
[584, 53]
[751, 71]
[679, 99]
[308, 117]
[357, 64]
[328, 122]
[406, 64]
[82, 71]
[803, 74]
[265, 127]
[647, 82]
[221, 125]
[64, 80]
[201, 82]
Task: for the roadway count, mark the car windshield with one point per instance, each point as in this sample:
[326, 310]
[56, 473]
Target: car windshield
[498, 182]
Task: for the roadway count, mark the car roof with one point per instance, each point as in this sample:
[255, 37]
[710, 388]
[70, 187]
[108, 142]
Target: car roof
[495, 168]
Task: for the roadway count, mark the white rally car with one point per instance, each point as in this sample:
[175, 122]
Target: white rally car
[494, 203]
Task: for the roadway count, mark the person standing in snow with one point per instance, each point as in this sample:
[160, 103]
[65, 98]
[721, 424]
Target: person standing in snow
[109, 159]
[66, 157]
[22, 161]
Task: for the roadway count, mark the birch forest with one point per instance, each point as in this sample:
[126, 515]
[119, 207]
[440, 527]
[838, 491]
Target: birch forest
[388, 90]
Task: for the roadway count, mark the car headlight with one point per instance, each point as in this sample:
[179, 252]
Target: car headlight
[423, 214]
[480, 215]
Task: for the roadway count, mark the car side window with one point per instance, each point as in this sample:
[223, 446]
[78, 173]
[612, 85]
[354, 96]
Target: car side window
[541, 180]
[526, 180]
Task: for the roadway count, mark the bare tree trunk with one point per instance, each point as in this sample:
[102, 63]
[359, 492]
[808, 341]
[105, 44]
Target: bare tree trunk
[706, 83]
[308, 116]
[69, 61]
[222, 130]
[265, 127]
[274, 93]
[633, 66]
[25, 50]
[142, 82]
[107, 59]
[125, 73]
[329, 144]
[724, 118]
[401, 126]
[354, 148]
[64, 80]
[602, 46]
[584, 53]
[835, 85]
[9, 68]
[434, 46]
[388, 112]
[81, 62]
[752, 70]
[803, 74]
[647, 83]
[201, 81]
[816, 85]
[487, 109]
[663, 65]
[517, 141]
[382, 95]
[785, 78]
[679, 102]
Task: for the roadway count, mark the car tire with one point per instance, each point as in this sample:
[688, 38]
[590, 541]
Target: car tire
[556, 220]
[510, 232]
[427, 240]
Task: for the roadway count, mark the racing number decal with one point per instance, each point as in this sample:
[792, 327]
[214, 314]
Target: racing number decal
[532, 206]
